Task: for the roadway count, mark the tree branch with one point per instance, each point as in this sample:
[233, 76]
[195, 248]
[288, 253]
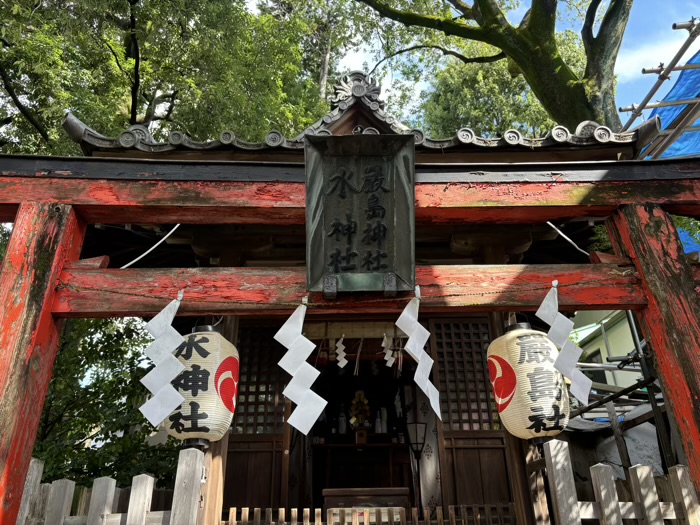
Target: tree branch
[543, 17]
[612, 28]
[446, 25]
[87, 438]
[153, 105]
[24, 110]
[136, 84]
[121, 23]
[589, 22]
[466, 60]
[466, 10]
[491, 13]
[116, 59]
[171, 107]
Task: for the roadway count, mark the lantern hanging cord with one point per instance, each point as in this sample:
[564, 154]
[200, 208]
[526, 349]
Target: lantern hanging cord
[152, 247]
[568, 240]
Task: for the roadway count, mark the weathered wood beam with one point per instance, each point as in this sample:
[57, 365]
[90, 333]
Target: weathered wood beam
[198, 202]
[671, 320]
[45, 235]
[275, 171]
[276, 291]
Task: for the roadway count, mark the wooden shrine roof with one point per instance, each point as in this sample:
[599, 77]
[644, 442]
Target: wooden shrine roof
[358, 109]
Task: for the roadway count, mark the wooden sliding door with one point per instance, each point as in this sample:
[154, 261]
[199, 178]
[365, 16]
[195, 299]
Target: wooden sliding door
[472, 444]
[257, 467]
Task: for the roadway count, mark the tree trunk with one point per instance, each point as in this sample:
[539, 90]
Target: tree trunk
[532, 47]
[325, 60]
[562, 94]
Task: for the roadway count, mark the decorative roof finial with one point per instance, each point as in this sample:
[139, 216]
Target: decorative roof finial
[357, 84]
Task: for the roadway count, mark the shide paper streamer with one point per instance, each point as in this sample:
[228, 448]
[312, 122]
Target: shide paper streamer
[299, 348]
[158, 381]
[560, 328]
[417, 338]
[388, 346]
[340, 352]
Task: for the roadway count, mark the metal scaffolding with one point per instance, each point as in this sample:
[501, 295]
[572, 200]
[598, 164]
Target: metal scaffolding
[685, 121]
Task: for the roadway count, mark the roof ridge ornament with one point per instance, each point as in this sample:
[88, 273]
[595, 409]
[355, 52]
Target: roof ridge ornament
[357, 84]
[138, 137]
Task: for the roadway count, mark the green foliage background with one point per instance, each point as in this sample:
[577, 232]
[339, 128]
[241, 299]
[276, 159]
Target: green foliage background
[91, 426]
[198, 66]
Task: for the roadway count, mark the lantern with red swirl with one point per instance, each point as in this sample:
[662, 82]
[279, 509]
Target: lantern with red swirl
[530, 394]
[209, 384]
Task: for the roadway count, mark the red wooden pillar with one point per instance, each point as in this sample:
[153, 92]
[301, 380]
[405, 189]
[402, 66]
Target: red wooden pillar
[45, 235]
[671, 321]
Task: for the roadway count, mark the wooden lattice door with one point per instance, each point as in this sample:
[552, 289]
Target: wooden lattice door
[257, 467]
[473, 463]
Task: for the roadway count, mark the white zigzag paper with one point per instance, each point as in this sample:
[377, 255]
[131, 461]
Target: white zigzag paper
[165, 397]
[417, 337]
[309, 404]
[560, 328]
[340, 352]
[388, 344]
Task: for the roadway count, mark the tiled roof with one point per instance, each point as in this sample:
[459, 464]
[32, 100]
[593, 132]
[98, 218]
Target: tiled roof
[356, 91]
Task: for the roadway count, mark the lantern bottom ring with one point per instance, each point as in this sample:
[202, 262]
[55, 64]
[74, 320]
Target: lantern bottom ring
[198, 443]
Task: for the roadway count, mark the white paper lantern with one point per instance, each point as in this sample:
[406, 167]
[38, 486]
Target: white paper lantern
[209, 385]
[531, 395]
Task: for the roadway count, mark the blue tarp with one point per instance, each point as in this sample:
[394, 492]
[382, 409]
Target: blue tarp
[689, 243]
[687, 87]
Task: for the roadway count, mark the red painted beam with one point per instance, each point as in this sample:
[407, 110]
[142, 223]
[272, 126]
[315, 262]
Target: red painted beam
[226, 202]
[260, 291]
[671, 320]
[45, 235]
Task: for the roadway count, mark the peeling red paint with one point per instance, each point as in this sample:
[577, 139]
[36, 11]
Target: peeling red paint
[199, 202]
[672, 318]
[44, 236]
[251, 291]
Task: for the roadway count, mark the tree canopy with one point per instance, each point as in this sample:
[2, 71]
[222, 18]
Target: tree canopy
[90, 425]
[530, 47]
[204, 66]
[489, 98]
[167, 65]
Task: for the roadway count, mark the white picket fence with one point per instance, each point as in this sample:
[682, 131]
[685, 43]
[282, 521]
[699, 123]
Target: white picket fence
[608, 509]
[51, 504]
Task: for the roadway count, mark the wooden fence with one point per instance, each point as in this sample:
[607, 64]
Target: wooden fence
[61, 503]
[104, 504]
[501, 514]
[645, 506]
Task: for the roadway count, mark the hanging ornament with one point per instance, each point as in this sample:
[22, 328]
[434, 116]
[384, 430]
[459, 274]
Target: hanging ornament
[299, 348]
[340, 352]
[388, 346]
[531, 395]
[417, 338]
[165, 398]
[560, 328]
